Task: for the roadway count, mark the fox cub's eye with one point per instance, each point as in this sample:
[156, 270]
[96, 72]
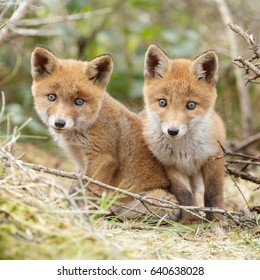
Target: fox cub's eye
[191, 105]
[52, 97]
[79, 101]
[162, 102]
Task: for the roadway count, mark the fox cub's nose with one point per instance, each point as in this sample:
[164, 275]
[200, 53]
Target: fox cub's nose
[60, 123]
[173, 131]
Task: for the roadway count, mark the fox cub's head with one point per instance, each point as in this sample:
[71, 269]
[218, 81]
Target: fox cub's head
[68, 94]
[179, 94]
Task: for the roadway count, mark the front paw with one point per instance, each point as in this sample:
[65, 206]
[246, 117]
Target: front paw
[188, 219]
[214, 216]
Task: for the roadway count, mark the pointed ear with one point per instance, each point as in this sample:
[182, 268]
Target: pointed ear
[43, 63]
[99, 69]
[205, 67]
[156, 63]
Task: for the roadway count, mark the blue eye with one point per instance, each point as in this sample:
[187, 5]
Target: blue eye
[52, 97]
[79, 101]
[191, 105]
[162, 102]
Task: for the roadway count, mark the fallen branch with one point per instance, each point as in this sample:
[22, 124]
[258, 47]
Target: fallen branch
[245, 143]
[229, 153]
[242, 175]
[234, 216]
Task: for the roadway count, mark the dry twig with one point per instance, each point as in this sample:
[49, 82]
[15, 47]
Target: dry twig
[248, 64]
[233, 216]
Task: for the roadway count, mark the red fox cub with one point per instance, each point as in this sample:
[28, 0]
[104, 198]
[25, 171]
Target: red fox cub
[181, 126]
[100, 134]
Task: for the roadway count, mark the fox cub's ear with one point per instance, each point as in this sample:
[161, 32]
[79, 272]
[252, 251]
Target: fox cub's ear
[99, 69]
[43, 63]
[156, 63]
[205, 67]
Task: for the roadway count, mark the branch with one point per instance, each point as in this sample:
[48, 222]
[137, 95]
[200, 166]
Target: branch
[234, 216]
[242, 90]
[249, 38]
[16, 24]
[246, 142]
[6, 31]
[64, 18]
[247, 65]
[254, 46]
[242, 175]
[238, 161]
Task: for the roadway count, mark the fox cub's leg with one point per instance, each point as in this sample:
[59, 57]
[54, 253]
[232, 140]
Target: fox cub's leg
[181, 188]
[102, 168]
[213, 176]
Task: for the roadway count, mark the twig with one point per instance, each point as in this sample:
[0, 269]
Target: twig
[242, 175]
[63, 18]
[254, 46]
[238, 161]
[19, 13]
[228, 153]
[3, 105]
[27, 168]
[159, 203]
[249, 66]
[246, 142]
[242, 90]
[236, 185]
[249, 38]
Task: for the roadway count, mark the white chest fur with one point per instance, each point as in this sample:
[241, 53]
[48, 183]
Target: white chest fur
[189, 152]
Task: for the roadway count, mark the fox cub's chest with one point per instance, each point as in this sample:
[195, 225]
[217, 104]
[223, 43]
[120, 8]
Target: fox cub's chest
[188, 153]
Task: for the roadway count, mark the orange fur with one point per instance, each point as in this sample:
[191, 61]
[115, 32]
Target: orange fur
[181, 126]
[101, 135]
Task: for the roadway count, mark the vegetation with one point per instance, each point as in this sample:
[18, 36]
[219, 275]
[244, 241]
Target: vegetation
[36, 212]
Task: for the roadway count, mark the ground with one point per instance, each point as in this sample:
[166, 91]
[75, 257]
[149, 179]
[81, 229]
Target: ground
[35, 218]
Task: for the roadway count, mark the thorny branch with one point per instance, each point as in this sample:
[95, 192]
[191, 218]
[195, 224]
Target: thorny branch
[248, 64]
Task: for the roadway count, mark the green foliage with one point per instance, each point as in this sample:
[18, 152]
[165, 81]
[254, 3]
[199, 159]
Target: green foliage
[125, 30]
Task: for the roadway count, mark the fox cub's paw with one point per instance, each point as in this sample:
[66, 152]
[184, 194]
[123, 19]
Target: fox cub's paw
[189, 218]
[216, 217]
[136, 209]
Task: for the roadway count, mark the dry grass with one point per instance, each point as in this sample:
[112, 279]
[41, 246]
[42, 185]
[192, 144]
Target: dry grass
[39, 220]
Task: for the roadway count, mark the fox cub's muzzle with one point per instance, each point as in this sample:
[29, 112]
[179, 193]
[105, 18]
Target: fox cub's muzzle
[60, 123]
[172, 131]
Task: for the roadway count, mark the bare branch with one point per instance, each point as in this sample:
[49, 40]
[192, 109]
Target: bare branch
[148, 200]
[242, 90]
[249, 38]
[16, 25]
[247, 63]
[63, 18]
[238, 161]
[24, 7]
[242, 175]
[228, 153]
[246, 142]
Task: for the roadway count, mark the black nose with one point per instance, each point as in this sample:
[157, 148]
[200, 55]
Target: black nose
[173, 131]
[60, 123]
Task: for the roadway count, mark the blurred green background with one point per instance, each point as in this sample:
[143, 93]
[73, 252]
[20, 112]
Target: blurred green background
[125, 29]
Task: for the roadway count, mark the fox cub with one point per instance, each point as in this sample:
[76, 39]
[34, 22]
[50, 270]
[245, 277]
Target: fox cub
[100, 134]
[181, 126]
